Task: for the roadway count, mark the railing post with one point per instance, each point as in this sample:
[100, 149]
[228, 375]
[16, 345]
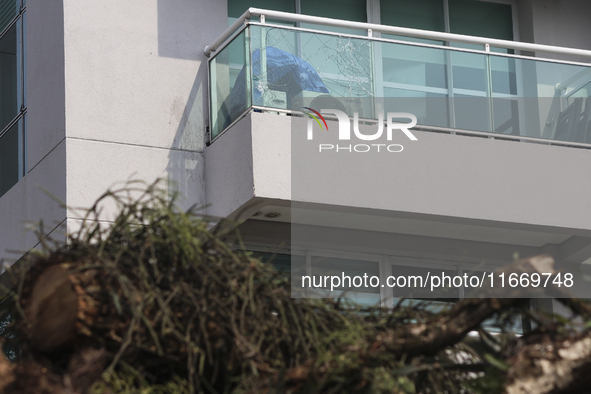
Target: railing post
[377, 69]
[263, 62]
[374, 83]
[451, 108]
[213, 94]
[491, 121]
[248, 65]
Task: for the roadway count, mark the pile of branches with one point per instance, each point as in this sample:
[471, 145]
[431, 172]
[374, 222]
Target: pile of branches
[155, 302]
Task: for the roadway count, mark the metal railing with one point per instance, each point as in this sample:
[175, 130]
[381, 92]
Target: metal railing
[402, 31]
[503, 89]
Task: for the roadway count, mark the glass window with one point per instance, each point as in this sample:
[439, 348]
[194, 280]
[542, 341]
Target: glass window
[237, 7]
[12, 97]
[469, 17]
[415, 14]
[481, 18]
[356, 276]
[349, 10]
[8, 10]
[8, 78]
[9, 159]
[359, 278]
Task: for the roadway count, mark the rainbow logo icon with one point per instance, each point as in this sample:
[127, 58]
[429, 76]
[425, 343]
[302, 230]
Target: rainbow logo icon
[313, 115]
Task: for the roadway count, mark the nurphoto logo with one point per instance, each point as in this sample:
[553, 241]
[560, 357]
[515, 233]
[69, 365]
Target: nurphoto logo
[344, 132]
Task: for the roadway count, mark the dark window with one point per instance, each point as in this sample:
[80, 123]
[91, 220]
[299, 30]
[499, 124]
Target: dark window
[12, 93]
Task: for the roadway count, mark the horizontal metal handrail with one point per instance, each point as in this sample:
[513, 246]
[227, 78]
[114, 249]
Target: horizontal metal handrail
[403, 31]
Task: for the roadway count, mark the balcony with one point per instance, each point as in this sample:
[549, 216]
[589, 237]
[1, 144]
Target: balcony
[439, 77]
[492, 189]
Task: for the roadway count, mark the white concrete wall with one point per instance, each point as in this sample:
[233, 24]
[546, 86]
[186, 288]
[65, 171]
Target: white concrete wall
[136, 93]
[229, 176]
[454, 176]
[556, 22]
[248, 164]
[31, 200]
[116, 90]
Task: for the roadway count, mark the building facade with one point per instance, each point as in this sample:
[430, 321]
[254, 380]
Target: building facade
[147, 89]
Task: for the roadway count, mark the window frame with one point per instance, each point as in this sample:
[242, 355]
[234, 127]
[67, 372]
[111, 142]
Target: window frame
[19, 22]
[385, 263]
[373, 13]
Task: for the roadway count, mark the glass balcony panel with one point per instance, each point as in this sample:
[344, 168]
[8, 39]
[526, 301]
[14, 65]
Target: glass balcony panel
[431, 109]
[9, 159]
[469, 73]
[582, 133]
[506, 119]
[470, 91]
[503, 75]
[582, 91]
[413, 65]
[507, 103]
[420, 75]
[308, 65]
[472, 113]
[230, 85]
[540, 78]
[543, 93]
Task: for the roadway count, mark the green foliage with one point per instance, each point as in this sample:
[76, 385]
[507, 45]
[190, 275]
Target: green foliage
[129, 381]
[179, 309]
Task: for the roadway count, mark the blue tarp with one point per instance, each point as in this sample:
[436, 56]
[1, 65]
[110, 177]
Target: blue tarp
[285, 72]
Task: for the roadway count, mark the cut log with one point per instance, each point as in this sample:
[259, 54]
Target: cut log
[552, 368]
[7, 376]
[51, 311]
